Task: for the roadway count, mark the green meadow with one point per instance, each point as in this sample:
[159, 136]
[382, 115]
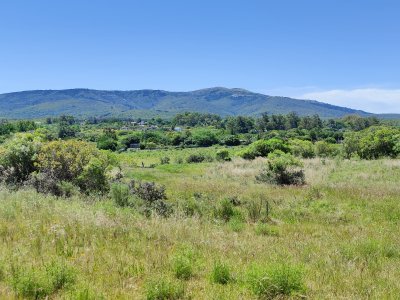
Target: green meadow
[229, 236]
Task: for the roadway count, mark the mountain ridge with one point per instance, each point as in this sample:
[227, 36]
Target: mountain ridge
[84, 102]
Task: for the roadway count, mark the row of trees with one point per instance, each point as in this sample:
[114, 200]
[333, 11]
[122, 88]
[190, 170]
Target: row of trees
[17, 126]
[245, 124]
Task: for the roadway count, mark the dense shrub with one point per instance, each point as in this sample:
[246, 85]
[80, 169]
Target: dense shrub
[300, 148]
[204, 138]
[153, 197]
[107, 143]
[74, 161]
[225, 210]
[164, 160]
[148, 191]
[283, 168]
[197, 158]
[129, 139]
[47, 183]
[263, 148]
[325, 149]
[222, 155]
[230, 140]
[18, 158]
[258, 210]
[372, 143]
[120, 194]
[149, 145]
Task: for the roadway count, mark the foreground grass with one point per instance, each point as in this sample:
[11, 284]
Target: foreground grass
[337, 237]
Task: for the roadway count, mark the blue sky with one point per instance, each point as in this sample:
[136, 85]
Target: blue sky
[344, 52]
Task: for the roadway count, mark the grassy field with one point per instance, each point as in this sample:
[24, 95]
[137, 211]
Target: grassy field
[334, 238]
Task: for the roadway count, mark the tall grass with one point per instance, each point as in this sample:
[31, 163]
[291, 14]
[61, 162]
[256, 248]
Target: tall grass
[342, 228]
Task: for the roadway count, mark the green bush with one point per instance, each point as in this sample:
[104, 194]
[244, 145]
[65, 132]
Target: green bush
[300, 148]
[153, 196]
[222, 155]
[151, 145]
[74, 161]
[220, 273]
[258, 210]
[263, 148]
[225, 210]
[18, 158]
[276, 280]
[372, 143]
[120, 194]
[164, 160]
[197, 158]
[164, 289]
[204, 138]
[283, 169]
[107, 143]
[67, 189]
[230, 140]
[93, 177]
[325, 149]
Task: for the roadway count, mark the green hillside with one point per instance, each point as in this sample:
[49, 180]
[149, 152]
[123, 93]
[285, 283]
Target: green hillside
[222, 101]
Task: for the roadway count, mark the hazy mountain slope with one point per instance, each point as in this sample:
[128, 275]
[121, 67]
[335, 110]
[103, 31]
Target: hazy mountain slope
[223, 101]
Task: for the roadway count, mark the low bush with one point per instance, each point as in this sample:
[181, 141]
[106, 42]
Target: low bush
[198, 158]
[263, 148]
[153, 197]
[72, 161]
[372, 143]
[258, 210]
[18, 158]
[204, 138]
[223, 155]
[325, 149]
[164, 160]
[192, 207]
[107, 143]
[120, 194]
[225, 210]
[276, 280]
[230, 140]
[282, 169]
[300, 148]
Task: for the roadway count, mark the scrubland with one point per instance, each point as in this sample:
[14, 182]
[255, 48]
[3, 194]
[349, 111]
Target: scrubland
[229, 237]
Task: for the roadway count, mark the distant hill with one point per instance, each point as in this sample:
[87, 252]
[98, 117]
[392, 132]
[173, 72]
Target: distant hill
[148, 103]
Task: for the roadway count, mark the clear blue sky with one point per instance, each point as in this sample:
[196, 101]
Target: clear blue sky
[335, 51]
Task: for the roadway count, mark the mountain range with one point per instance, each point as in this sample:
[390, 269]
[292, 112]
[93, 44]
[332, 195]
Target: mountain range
[150, 103]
